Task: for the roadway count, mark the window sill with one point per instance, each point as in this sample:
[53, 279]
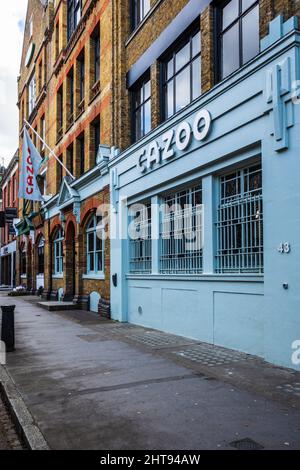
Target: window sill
[57, 276]
[23, 276]
[199, 277]
[96, 277]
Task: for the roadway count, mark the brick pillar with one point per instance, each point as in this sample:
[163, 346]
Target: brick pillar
[29, 266]
[207, 54]
[155, 95]
[47, 266]
[18, 263]
[266, 14]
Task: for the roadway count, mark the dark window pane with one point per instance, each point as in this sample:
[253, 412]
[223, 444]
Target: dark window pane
[230, 13]
[138, 124]
[230, 51]
[182, 57]
[251, 34]
[183, 96]
[170, 68]
[196, 78]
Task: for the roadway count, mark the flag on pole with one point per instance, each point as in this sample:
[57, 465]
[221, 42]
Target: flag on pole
[31, 161]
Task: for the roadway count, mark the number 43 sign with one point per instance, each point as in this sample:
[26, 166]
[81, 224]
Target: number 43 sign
[284, 248]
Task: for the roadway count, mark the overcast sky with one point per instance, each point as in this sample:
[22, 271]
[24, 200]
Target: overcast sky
[12, 21]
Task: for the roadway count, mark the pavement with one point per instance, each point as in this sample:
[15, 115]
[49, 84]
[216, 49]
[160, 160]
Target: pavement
[96, 384]
[9, 439]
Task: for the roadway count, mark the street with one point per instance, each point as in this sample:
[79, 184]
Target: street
[96, 384]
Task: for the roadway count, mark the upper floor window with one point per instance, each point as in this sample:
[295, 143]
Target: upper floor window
[60, 112]
[238, 34]
[96, 137]
[95, 246]
[141, 109]
[74, 15]
[97, 57]
[70, 96]
[182, 75]
[81, 77]
[31, 94]
[140, 9]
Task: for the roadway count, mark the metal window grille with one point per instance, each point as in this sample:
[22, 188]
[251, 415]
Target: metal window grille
[240, 222]
[181, 233]
[140, 239]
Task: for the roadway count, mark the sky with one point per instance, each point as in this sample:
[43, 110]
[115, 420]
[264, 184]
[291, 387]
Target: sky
[12, 19]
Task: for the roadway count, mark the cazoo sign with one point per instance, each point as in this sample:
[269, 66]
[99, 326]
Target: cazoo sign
[175, 140]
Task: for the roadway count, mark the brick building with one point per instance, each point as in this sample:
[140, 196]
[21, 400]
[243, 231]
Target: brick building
[199, 99]
[9, 189]
[65, 94]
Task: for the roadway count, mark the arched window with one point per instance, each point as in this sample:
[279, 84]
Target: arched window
[41, 253]
[95, 246]
[58, 252]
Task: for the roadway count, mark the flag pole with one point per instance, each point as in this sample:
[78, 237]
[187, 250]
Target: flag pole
[50, 150]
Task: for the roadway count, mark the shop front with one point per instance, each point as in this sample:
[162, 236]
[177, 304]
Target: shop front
[205, 236]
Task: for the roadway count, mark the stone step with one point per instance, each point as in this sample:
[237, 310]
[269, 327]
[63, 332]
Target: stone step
[57, 306]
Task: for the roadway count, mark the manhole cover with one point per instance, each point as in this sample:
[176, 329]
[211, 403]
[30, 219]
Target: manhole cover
[246, 444]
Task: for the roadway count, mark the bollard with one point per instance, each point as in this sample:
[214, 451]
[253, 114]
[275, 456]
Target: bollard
[8, 327]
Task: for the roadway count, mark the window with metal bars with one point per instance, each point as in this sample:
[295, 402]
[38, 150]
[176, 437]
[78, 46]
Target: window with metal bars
[140, 245]
[181, 232]
[240, 222]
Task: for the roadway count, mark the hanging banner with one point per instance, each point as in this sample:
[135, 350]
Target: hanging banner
[31, 161]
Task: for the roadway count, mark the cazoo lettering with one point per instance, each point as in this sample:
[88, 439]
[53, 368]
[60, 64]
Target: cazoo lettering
[182, 137]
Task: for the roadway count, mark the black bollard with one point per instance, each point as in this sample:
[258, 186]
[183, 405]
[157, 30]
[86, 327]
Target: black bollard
[8, 327]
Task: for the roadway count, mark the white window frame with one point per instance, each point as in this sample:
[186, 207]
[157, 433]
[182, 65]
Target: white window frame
[96, 229]
[58, 253]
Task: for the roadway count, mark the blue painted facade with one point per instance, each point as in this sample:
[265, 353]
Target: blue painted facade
[254, 118]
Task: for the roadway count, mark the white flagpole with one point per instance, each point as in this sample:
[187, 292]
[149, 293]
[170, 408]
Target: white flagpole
[50, 150]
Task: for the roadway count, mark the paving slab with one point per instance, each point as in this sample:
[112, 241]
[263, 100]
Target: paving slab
[91, 384]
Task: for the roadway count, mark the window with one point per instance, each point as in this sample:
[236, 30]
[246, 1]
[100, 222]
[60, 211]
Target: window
[74, 15]
[140, 9]
[141, 109]
[140, 248]
[58, 252]
[96, 135]
[95, 246]
[240, 222]
[60, 111]
[70, 159]
[80, 149]
[23, 261]
[31, 94]
[70, 95]
[56, 40]
[182, 75]
[40, 78]
[41, 252]
[181, 233]
[239, 34]
[81, 77]
[96, 43]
